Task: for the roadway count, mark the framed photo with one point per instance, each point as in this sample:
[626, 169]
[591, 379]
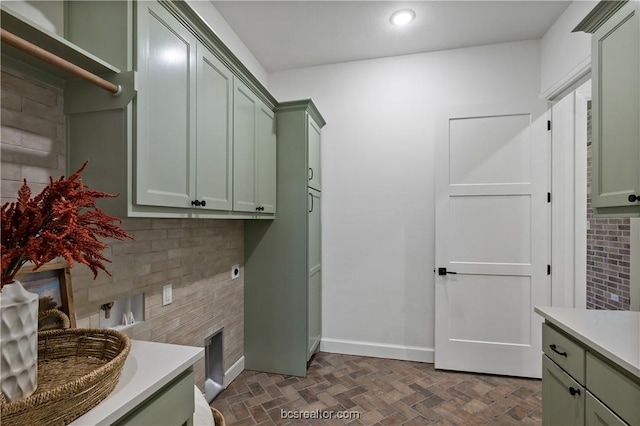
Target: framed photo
[52, 283]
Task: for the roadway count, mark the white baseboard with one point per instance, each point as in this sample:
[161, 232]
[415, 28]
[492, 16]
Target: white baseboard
[377, 350]
[233, 372]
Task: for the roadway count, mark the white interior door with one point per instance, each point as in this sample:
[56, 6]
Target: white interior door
[492, 236]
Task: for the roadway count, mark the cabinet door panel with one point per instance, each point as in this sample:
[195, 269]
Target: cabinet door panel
[616, 108]
[559, 406]
[165, 158]
[244, 156]
[314, 230]
[266, 160]
[172, 405]
[599, 415]
[214, 131]
[315, 173]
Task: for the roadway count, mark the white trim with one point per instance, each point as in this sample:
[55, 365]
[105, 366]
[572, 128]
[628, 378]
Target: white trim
[582, 96]
[568, 80]
[233, 372]
[377, 350]
[569, 199]
[635, 265]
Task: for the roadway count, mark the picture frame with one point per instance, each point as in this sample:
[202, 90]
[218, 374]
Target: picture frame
[52, 283]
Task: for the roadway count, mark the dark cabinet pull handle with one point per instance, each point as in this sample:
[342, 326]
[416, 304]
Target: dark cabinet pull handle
[574, 391]
[555, 349]
[197, 203]
[443, 271]
[311, 208]
[633, 198]
[260, 208]
[311, 170]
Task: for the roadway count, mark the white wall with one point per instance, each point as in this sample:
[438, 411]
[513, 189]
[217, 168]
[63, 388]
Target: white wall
[565, 56]
[221, 28]
[378, 183]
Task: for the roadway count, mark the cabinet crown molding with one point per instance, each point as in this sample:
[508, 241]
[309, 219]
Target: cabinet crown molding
[599, 15]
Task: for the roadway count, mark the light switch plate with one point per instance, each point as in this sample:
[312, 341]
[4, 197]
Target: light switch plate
[167, 295]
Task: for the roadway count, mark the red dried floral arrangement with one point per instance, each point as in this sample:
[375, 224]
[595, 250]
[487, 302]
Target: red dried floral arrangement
[62, 220]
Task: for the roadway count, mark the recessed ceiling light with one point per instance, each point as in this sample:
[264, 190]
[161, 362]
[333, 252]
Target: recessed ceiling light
[403, 17]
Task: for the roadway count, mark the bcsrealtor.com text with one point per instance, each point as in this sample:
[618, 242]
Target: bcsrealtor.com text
[319, 414]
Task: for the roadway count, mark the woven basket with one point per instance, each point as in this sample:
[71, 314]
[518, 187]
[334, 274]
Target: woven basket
[77, 368]
[52, 319]
[218, 418]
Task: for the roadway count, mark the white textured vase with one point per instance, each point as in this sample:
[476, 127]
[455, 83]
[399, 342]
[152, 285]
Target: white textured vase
[18, 341]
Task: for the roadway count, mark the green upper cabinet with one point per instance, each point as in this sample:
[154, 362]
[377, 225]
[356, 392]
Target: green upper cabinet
[254, 153]
[195, 134]
[315, 173]
[245, 113]
[214, 131]
[616, 113]
[165, 170]
[266, 159]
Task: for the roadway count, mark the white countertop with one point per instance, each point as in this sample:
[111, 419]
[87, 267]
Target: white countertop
[613, 334]
[148, 368]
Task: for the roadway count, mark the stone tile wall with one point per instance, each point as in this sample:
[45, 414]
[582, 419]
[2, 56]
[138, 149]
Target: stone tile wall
[194, 255]
[608, 254]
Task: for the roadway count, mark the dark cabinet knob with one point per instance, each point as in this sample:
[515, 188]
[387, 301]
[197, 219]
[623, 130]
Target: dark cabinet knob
[574, 391]
[195, 203]
[633, 198]
[203, 203]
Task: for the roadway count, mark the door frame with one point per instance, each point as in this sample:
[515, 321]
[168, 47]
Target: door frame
[569, 202]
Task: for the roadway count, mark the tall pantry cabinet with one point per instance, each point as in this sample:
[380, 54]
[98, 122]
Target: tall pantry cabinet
[283, 257]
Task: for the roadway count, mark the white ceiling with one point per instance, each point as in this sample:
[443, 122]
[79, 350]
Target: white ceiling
[293, 34]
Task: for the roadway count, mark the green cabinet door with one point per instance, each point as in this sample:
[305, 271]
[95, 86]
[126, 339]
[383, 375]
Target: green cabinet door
[597, 414]
[254, 153]
[213, 132]
[266, 160]
[315, 173]
[616, 112]
[563, 399]
[164, 147]
[244, 153]
[314, 282]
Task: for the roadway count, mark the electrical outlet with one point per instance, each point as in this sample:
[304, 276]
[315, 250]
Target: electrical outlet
[167, 295]
[615, 297]
[235, 271]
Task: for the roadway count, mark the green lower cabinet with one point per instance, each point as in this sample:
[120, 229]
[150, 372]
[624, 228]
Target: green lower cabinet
[563, 399]
[172, 405]
[598, 414]
[283, 257]
[314, 283]
[583, 387]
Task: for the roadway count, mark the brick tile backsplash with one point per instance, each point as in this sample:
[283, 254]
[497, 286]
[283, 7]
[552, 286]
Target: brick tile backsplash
[608, 254]
[194, 255]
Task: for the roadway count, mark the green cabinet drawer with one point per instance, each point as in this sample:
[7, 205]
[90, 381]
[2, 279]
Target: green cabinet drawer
[563, 351]
[172, 405]
[598, 414]
[617, 391]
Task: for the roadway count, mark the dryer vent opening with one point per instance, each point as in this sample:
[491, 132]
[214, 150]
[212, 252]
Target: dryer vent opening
[214, 373]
